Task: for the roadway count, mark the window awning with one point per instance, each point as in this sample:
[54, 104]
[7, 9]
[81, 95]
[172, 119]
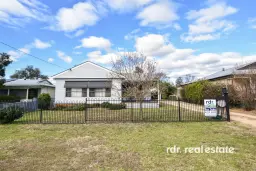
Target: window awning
[88, 84]
[99, 84]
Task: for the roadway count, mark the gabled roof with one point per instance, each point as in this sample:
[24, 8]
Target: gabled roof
[86, 69]
[28, 83]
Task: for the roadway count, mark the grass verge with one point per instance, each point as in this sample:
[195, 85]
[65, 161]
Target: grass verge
[124, 146]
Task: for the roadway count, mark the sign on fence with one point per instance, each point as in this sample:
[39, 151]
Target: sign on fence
[210, 109]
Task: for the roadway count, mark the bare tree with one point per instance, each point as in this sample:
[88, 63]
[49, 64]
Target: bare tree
[244, 83]
[189, 78]
[140, 75]
[179, 81]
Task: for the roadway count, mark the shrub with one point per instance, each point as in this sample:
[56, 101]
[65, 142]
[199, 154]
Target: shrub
[249, 105]
[195, 92]
[233, 97]
[44, 101]
[81, 107]
[105, 105]
[94, 105]
[76, 107]
[198, 91]
[8, 115]
[9, 99]
[117, 106]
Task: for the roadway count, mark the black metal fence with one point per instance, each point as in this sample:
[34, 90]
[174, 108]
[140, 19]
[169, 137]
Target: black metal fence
[116, 110]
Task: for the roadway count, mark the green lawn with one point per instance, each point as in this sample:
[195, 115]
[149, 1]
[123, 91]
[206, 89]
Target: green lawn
[166, 113]
[125, 146]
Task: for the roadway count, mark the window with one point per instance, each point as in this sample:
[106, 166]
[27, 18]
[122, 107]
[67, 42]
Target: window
[84, 92]
[92, 92]
[100, 92]
[68, 92]
[97, 92]
[76, 92]
[108, 92]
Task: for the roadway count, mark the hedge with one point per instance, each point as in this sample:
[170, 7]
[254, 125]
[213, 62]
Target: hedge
[9, 99]
[81, 107]
[198, 91]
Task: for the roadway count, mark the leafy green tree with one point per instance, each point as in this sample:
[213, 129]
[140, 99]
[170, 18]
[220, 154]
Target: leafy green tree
[5, 60]
[167, 89]
[29, 73]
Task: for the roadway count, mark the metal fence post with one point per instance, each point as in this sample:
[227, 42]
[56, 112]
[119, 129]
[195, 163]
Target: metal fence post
[179, 109]
[225, 93]
[131, 111]
[41, 115]
[85, 110]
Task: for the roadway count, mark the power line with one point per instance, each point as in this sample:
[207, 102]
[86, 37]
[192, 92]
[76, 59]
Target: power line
[31, 55]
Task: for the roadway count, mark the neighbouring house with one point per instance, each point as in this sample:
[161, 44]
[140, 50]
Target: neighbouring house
[27, 88]
[87, 81]
[227, 77]
[231, 76]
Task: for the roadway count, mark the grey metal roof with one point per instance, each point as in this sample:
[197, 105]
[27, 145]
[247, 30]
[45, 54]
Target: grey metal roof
[227, 72]
[220, 74]
[241, 69]
[28, 83]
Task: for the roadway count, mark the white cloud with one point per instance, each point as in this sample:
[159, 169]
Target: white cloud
[16, 13]
[50, 59]
[95, 42]
[161, 13]
[153, 45]
[199, 38]
[41, 45]
[98, 57]
[216, 11]
[77, 53]
[77, 33]
[127, 5]
[64, 57]
[176, 26]
[252, 23]
[179, 62]
[208, 23]
[15, 55]
[199, 65]
[132, 34]
[80, 15]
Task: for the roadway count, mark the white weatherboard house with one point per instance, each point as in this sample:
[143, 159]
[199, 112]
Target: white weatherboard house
[87, 81]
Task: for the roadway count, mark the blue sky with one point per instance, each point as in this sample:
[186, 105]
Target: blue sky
[183, 36]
